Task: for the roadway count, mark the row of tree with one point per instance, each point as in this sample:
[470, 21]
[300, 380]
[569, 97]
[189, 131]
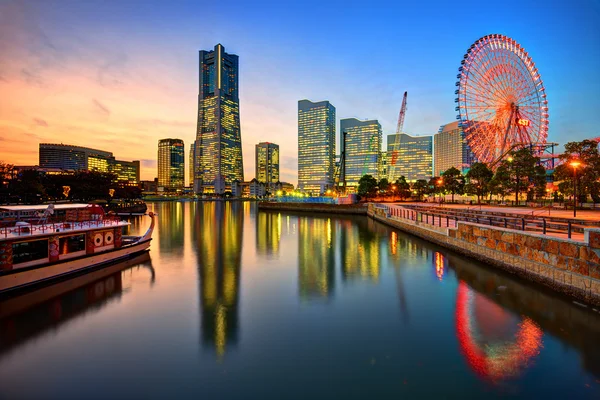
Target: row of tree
[521, 173]
[31, 186]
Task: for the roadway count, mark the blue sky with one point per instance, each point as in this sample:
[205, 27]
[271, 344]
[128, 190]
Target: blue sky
[131, 57]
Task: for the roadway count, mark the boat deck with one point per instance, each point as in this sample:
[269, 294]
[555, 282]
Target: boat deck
[19, 232]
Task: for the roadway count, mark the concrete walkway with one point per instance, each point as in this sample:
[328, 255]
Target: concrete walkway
[583, 215]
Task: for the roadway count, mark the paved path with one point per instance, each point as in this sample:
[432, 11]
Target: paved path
[589, 215]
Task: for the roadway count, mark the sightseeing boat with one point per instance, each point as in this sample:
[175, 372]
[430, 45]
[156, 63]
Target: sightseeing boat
[42, 243]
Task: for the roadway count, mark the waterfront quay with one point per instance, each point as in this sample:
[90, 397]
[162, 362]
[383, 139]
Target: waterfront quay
[566, 265]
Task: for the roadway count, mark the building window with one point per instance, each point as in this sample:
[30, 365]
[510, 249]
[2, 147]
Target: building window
[71, 244]
[29, 251]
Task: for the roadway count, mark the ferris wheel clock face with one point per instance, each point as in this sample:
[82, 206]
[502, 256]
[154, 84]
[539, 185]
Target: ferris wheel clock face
[501, 98]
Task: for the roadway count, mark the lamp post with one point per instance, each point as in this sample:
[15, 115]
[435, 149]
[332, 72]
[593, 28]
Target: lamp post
[440, 182]
[575, 164]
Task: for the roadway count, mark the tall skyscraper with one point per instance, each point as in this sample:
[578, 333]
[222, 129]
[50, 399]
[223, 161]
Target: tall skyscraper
[191, 158]
[361, 145]
[409, 156]
[267, 163]
[451, 149]
[171, 164]
[218, 156]
[316, 146]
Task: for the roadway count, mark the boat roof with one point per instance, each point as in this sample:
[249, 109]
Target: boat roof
[43, 207]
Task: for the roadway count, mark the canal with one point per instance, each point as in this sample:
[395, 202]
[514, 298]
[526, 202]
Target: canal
[236, 303]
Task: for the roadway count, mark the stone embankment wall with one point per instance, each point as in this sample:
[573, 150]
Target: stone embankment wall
[354, 209]
[564, 265]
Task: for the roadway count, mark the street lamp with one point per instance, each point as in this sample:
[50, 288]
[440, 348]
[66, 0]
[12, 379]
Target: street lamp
[440, 182]
[575, 164]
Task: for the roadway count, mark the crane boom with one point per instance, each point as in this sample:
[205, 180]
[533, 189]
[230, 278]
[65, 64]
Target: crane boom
[402, 114]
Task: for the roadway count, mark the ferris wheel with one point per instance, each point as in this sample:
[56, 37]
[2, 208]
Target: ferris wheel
[501, 98]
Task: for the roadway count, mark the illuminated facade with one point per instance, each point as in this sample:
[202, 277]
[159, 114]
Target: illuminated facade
[361, 144]
[316, 146]
[77, 158]
[127, 172]
[267, 163]
[191, 164]
[171, 164]
[409, 156]
[451, 150]
[218, 153]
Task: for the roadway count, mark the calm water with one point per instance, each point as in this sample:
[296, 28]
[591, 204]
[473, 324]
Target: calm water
[236, 303]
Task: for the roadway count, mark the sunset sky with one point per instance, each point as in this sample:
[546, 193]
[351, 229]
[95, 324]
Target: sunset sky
[120, 75]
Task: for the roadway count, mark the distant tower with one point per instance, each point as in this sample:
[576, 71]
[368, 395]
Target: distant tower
[316, 146]
[267, 163]
[191, 167]
[218, 150]
[171, 164]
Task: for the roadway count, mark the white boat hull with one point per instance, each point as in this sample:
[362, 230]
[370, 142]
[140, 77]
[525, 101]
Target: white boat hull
[21, 279]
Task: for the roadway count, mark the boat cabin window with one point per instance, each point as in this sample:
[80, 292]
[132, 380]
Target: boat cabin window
[71, 244]
[29, 251]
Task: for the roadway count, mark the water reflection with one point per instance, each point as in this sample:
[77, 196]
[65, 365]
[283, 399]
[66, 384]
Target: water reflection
[218, 234]
[171, 218]
[268, 233]
[360, 250]
[316, 257]
[28, 315]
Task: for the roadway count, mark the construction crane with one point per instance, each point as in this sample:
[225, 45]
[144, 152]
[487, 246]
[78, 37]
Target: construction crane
[399, 127]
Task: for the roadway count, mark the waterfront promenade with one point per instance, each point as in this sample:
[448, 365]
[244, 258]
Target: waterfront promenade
[569, 266]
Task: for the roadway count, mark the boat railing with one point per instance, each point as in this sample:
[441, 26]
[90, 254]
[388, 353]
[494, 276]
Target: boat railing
[42, 228]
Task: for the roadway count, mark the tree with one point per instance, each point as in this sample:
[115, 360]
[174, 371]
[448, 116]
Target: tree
[479, 177]
[383, 185]
[367, 185]
[539, 181]
[588, 173]
[434, 186]
[28, 186]
[520, 167]
[403, 188]
[6, 171]
[421, 187]
[500, 184]
[454, 181]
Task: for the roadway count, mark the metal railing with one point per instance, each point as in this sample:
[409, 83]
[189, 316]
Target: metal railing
[40, 229]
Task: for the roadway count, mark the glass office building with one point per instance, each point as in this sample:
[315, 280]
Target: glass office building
[218, 152]
[451, 150]
[316, 146]
[171, 164]
[361, 146]
[267, 163]
[409, 156]
[77, 158]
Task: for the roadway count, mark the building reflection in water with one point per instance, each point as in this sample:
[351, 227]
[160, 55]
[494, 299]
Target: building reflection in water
[360, 249]
[440, 264]
[316, 257]
[218, 229]
[268, 232]
[497, 344]
[26, 316]
[171, 221]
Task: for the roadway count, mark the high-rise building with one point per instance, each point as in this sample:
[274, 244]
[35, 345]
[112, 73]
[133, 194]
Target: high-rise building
[361, 145]
[191, 158]
[451, 149]
[77, 158]
[409, 156]
[171, 164]
[267, 163]
[316, 146]
[218, 154]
